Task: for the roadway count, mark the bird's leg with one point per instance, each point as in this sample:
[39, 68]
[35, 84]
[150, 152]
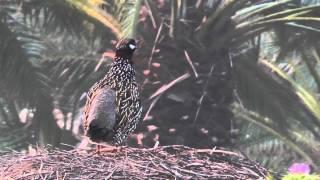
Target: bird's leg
[98, 148]
[123, 147]
[109, 149]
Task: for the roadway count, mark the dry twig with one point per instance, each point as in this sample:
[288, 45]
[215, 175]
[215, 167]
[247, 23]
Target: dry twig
[166, 162]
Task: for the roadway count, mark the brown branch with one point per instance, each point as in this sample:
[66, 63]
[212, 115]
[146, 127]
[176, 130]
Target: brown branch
[165, 87]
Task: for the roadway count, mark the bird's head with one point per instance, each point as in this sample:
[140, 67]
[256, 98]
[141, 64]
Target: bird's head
[125, 48]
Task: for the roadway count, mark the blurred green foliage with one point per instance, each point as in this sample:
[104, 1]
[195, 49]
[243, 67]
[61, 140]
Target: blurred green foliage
[301, 177]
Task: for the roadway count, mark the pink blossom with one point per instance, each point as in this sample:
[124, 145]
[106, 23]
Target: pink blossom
[299, 168]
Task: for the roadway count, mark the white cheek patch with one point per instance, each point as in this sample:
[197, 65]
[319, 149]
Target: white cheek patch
[131, 46]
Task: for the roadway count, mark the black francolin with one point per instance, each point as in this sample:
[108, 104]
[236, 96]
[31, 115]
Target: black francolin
[113, 107]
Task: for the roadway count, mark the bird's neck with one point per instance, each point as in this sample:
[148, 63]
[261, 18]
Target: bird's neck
[121, 74]
[123, 54]
[121, 63]
[121, 60]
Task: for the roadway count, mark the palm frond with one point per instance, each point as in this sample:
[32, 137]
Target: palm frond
[306, 97]
[128, 15]
[297, 145]
[297, 15]
[120, 16]
[23, 80]
[311, 65]
[19, 68]
[279, 99]
[93, 9]
[59, 17]
[221, 16]
[255, 140]
[16, 138]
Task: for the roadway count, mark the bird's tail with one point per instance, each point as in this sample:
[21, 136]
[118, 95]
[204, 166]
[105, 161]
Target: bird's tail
[96, 132]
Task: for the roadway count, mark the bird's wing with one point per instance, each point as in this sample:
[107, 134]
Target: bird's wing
[130, 109]
[100, 106]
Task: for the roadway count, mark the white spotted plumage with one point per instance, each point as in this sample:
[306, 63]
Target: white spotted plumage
[120, 79]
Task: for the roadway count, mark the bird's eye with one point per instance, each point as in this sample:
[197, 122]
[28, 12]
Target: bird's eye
[131, 46]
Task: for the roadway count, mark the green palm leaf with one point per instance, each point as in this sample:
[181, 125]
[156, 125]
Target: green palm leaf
[279, 106]
[19, 48]
[306, 97]
[120, 16]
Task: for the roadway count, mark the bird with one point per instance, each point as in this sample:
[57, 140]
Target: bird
[113, 107]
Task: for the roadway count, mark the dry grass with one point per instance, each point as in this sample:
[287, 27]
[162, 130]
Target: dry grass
[167, 162]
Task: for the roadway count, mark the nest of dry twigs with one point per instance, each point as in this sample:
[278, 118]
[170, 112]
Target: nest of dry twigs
[167, 162]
